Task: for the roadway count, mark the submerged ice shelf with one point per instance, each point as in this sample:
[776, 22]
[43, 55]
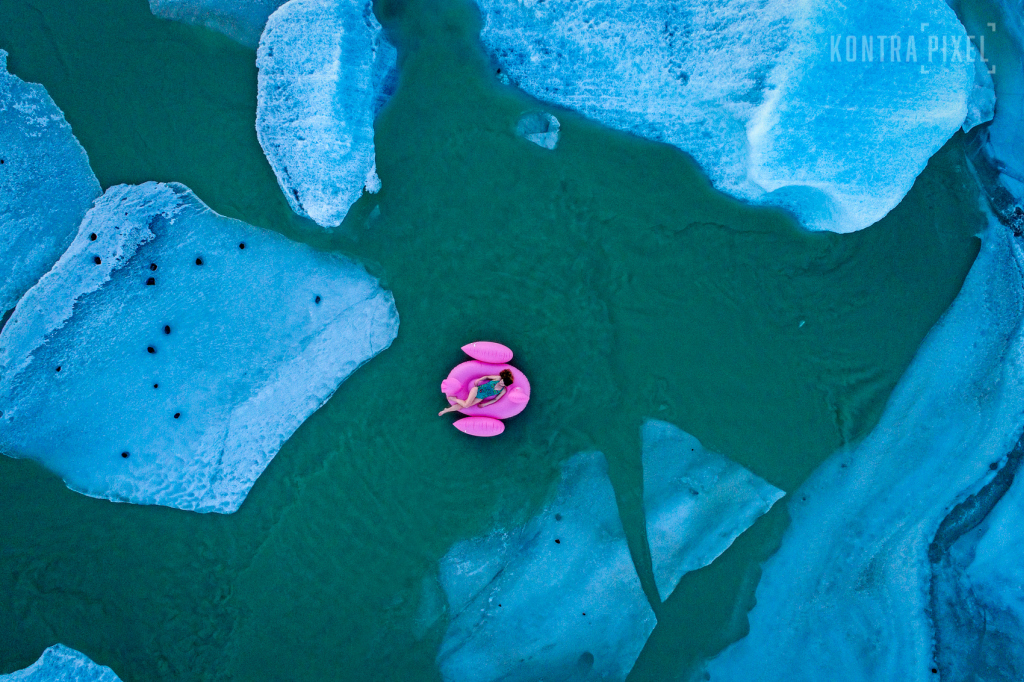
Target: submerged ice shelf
[240, 20]
[754, 90]
[46, 185]
[556, 599]
[325, 71]
[696, 502]
[847, 595]
[62, 664]
[171, 351]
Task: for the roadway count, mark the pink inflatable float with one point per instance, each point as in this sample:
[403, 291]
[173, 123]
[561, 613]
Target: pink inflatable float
[489, 359]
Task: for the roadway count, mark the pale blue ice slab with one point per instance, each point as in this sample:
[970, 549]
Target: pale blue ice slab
[696, 502]
[558, 599]
[46, 185]
[240, 20]
[62, 664]
[325, 72]
[754, 90]
[165, 313]
[847, 595]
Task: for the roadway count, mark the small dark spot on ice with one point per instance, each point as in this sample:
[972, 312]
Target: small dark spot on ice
[150, 282]
[558, 517]
[92, 237]
[97, 260]
[152, 266]
[241, 245]
[156, 385]
[151, 349]
[167, 329]
[993, 466]
[177, 414]
[199, 261]
[557, 541]
[584, 613]
[803, 498]
[125, 455]
[58, 368]
[934, 670]
[316, 300]
[1, 162]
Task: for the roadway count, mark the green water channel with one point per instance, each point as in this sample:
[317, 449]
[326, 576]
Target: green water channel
[627, 287]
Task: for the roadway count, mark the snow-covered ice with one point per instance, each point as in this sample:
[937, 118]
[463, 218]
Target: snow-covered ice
[171, 351]
[46, 185]
[558, 599]
[847, 595]
[540, 128]
[240, 20]
[780, 102]
[62, 664]
[696, 502]
[325, 71]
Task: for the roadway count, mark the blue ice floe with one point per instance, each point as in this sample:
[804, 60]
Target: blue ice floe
[325, 71]
[62, 664]
[171, 351]
[240, 20]
[46, 185]
[847, 596]
[696, 502]
[795, 104]
[540, 128]
[557, 599]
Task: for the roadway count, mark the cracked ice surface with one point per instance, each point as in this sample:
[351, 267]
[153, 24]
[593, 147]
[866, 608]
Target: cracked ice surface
[193, 343]
[696, 502]
[240, 20]
[46, 185]
[62, 664]
[556, 599]
[846, 597]
[325, 71]
[753, 90]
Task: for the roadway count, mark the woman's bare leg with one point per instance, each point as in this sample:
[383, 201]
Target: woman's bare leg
[470, 400]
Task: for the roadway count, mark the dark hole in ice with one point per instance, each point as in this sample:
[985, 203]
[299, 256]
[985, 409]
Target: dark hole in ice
[92, 236]
[558, 517]
[585, 663]
[151, 349]
[934, 670]
[177, 414]
[557, 541]
[156, 385]
[151, 281]
[1, 162]
[241, 245]
[199, 261]
[152, 266]
[58, 368]
[97, 260]
[125, 455]
[317, 299]
[993, 466]
[167, 329]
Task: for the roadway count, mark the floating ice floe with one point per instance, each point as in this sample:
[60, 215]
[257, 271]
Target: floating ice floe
[847, 596]
[46, 185]
[558, 599]
[171, 351]
[540, 128]
[812, 106]
[696, 502]
[62, 664]
[240, 20]
[325, 71]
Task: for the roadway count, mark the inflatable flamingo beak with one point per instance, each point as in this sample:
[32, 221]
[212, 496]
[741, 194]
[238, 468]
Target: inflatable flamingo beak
[518, 396]
[450, 386]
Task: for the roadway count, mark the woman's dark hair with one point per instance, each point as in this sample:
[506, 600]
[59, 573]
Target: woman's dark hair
[506, 376]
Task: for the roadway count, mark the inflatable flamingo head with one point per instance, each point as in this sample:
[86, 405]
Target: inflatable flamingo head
[450, 386]
[518, 396]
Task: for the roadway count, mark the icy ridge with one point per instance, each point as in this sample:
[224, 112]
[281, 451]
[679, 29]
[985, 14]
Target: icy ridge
[753, 89]
[46, 184]
[173, 382]
[325, 70]
[846, 597]
[558, 598]
[240, 20]
[62, 664]
[696, 502]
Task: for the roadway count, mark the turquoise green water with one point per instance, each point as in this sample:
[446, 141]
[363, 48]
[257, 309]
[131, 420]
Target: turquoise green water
[626, 286]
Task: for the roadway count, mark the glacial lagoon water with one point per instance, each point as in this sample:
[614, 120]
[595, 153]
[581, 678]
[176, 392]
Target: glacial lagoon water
[628, 288]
